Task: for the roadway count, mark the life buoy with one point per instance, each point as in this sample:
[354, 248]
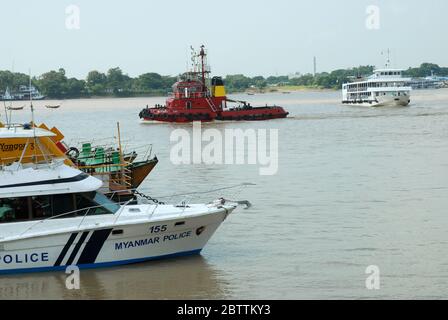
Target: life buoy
[72, 153]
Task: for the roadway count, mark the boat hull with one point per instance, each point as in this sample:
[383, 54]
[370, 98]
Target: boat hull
[243, 114]
[253, 114]
[109, 246]
[402, 101]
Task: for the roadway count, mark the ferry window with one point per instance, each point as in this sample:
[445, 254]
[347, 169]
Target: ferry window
[188, 105]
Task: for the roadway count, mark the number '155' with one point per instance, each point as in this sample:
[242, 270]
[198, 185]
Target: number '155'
[157, 229]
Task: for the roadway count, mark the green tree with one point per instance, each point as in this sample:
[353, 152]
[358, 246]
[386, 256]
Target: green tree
[75, 88]
[237, 82]
[53, 84]
[96, 82]
[117, 82]
[149, 81]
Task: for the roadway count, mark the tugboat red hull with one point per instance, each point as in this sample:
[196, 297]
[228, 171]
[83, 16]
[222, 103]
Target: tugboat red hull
[152, 114]
[252, 114]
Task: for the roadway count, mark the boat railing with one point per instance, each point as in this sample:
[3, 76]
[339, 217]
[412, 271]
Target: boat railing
[182, 95]
[182, 200]
[179, 200]
[40, 160]
[141, 151]
[88, 210]
[4, 162]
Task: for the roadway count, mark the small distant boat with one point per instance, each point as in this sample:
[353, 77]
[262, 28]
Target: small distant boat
[53, 106]
[286, 92]
[15, 108]
[24, 93]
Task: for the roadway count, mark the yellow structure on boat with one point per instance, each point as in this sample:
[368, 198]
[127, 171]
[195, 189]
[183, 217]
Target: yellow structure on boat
[30, 144]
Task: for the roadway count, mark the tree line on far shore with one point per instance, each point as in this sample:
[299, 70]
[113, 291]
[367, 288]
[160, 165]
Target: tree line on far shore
[55, 84]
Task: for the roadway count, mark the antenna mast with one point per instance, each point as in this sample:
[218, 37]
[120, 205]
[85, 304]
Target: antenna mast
[388, 59]
[31, 101]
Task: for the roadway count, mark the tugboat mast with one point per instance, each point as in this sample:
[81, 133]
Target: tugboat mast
[202, 55]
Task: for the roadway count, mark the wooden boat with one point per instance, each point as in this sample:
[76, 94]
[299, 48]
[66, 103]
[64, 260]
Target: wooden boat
[15, 108]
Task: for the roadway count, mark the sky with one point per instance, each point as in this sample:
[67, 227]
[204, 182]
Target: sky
[262, 37]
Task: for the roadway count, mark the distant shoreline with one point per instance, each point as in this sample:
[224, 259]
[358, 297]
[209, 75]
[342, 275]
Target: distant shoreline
[279, 90]
[286, 89]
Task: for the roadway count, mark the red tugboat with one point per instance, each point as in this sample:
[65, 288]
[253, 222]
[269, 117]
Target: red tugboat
[194, 100]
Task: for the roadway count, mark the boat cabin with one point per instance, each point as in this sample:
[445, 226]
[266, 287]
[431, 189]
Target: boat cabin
[41, 191]
[388, 73]
[39, 207]
[188, 89]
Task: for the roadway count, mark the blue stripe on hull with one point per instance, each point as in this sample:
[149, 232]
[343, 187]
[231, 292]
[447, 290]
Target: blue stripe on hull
[102, 264]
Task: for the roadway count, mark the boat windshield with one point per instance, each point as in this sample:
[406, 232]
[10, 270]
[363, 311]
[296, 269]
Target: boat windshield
[105, 202]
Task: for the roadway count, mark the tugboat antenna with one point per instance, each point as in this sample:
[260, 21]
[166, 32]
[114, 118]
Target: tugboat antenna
[202, 54]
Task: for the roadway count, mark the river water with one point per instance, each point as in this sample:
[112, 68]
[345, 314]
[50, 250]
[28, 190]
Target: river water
[355, 187]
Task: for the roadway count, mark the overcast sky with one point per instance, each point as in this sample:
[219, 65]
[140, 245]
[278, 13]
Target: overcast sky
[260, 37]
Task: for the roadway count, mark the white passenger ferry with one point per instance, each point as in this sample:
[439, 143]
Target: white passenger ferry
[52, 216]
[386, 87]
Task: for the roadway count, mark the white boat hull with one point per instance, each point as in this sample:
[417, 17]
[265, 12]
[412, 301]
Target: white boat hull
[112, 245]
[401, 101]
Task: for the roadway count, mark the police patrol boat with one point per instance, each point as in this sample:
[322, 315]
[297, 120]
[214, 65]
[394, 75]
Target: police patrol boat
[52, 216]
